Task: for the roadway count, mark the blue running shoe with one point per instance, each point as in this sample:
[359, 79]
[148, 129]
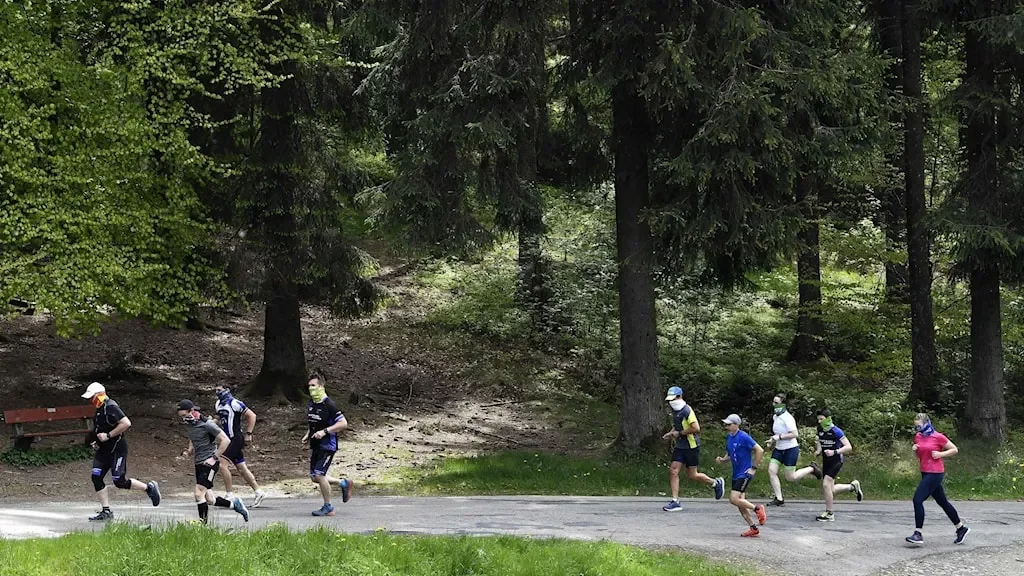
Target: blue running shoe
[346, 489]
[325, 510]
[238, 506]
[916, 539]
[673, 506]
[719, 488]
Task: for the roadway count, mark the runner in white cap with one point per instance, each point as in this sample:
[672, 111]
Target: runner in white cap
[109, 425]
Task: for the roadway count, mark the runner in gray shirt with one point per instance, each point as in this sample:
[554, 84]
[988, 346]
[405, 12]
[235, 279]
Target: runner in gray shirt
[207, 443]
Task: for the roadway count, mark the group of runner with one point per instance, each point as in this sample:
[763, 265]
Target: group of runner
[832, 444]
[215, 446]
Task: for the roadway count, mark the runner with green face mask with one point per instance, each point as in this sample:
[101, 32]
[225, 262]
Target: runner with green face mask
[786, 452]
[832, 445]
[325, 421]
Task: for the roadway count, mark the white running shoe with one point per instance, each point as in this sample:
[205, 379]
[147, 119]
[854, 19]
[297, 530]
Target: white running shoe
[258, 499]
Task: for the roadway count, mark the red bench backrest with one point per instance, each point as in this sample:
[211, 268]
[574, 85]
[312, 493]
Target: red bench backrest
[29, 415]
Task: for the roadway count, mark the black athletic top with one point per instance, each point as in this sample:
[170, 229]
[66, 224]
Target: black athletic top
[320, 416]
[106, 419]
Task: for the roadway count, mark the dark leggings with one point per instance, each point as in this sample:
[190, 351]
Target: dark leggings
[931, 485]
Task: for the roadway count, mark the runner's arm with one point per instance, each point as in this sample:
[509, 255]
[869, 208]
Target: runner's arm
[250, 421]
[758, 455]
[222, 445]
[122, 426]
[338, 426]
[789, 434]
[817, 448]
[949, 449]
[846, 447]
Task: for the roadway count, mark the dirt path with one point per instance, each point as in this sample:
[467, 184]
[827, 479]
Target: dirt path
[405, 404]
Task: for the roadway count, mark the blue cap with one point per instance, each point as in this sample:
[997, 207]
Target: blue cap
[673, 392]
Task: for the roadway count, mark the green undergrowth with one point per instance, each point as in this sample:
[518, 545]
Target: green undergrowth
[44, 456]
[187, 550]
[978, 472]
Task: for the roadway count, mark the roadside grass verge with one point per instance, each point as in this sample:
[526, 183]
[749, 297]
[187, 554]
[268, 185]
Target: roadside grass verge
[187, 550]
[979, 472]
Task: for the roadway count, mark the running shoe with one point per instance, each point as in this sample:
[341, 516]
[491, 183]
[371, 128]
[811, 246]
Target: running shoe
[719, 488]
[777, 502]
[857, 489]
[346, 489]
[961, 534]
[103, 516]
[153, 491]
[238, 506]
[751, 533]
[325, 510]
[258, 499]
[916, 539]
[673, 506]
[826, 516]
[816, 470]
[762, 514]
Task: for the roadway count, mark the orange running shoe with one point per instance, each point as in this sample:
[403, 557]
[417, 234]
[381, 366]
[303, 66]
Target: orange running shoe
[752, 533]
[762, 516]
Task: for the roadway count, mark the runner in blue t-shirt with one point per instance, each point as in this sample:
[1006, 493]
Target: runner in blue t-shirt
[746, 455]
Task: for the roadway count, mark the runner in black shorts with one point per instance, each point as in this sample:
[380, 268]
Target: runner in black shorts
[686, 431]
[832, 445]
[746, 456]
[108, 438]
[324, 422]
[207, 443]
[238, 421]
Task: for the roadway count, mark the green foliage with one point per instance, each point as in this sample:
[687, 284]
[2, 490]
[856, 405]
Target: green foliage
[44, 456]
[86, 224]
[275, 551]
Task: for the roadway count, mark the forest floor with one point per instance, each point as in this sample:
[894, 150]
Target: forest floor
[407, 399]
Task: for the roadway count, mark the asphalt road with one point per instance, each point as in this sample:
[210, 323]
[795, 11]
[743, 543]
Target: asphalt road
[865, 539]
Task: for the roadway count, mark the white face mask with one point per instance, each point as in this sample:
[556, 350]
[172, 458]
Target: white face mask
[677, 404]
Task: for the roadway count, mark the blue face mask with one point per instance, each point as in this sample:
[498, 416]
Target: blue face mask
[927, 429]
[224, 395]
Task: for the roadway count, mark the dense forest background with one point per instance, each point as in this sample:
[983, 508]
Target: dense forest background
[819, 197]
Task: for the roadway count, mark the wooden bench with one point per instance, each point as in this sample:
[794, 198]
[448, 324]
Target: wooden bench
[17, 419]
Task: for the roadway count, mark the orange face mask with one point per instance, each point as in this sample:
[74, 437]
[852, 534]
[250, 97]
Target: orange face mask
[98, 400]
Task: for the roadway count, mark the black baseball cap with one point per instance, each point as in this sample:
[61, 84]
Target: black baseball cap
[187, 405]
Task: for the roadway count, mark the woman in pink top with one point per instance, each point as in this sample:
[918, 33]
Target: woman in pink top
[931, 447]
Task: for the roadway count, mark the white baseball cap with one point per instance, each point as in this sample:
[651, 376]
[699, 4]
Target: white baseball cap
[94, 389]
[732, 419]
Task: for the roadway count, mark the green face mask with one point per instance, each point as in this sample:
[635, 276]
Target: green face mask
[826, 423]
[780, 408]
[317, 393]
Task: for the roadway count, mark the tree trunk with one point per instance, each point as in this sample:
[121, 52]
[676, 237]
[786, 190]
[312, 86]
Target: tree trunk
[985, 414]
[284, 360]
[534, 291]
[277, 188]
[894, 213]
[642, 411]
[809, 342]
[924, 387]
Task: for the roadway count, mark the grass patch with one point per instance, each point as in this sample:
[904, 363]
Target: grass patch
[186, 550]
[979, 472]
